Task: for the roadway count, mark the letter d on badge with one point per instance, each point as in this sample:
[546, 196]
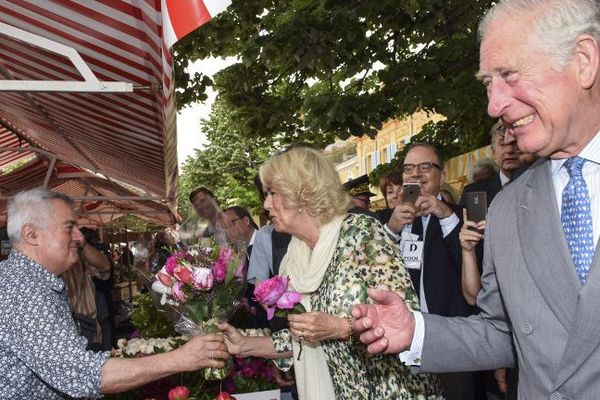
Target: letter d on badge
[412, 252]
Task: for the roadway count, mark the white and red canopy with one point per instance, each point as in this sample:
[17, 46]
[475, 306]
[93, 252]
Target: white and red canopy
[113, 114]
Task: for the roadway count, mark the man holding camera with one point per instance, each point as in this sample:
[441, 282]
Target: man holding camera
[426, 227]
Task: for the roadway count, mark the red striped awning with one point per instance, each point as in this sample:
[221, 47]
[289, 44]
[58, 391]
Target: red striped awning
[131, 136]
[98, 200]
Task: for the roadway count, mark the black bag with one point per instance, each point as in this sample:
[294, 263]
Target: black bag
[87, 326]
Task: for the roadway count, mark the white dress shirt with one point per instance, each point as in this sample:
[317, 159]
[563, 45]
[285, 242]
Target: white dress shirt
[261, 259]
[503, 178]
[560, 178]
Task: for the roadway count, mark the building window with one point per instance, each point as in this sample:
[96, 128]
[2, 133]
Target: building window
[393, 150]
[374, 160]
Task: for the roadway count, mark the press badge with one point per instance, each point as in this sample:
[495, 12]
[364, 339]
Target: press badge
[412, 250]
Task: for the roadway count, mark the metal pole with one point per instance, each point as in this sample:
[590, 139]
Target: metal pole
[129, 266]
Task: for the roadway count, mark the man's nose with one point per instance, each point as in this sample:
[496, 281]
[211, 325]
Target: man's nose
[416, 173]
[498, 98]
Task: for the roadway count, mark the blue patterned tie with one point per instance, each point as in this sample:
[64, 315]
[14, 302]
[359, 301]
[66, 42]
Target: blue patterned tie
[576, 217]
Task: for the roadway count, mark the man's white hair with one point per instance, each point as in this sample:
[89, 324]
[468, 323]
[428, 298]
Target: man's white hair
[31, 207]
[555, 24]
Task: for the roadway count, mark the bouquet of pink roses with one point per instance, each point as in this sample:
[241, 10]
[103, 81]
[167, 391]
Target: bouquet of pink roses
[205, 286]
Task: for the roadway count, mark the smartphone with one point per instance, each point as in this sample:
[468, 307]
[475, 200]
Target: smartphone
[476, 203]
[412, 191]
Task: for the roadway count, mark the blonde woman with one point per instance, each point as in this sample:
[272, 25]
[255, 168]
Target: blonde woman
[332, 256]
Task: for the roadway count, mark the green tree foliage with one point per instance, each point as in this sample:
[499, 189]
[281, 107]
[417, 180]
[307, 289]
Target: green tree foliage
[316, 69]
[227, 165]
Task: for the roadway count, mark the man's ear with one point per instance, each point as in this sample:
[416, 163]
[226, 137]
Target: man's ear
[30, 235]
[247, 221]
[588, 60]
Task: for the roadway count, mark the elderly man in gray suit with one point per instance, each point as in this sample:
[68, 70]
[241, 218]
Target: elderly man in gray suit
[540, 297]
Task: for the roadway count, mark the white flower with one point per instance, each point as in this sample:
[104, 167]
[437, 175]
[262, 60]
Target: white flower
[133, 347]
[159, 287]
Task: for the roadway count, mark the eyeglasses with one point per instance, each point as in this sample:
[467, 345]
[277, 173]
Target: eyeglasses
[423, 167]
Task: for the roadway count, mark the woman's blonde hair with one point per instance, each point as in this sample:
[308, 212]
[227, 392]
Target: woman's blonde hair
[307, 180]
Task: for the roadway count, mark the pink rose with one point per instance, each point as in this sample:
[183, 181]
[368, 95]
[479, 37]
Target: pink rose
[171, 264]
[220, 271]
[225, 254]
[184, 274]
[164, 277]
[179, 393]
[203, 278]
[178, 292]
[288, 300]
[240, 272]
[269, 291]
[221, 264]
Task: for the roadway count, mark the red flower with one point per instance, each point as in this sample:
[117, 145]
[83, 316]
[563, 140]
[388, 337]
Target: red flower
[179, 393]
[224, 396]
[184, 274]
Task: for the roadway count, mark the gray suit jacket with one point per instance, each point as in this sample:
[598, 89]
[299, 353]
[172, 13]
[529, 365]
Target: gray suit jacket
[532, 302]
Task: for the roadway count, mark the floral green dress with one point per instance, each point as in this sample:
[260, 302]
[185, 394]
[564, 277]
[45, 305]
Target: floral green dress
[365, 256]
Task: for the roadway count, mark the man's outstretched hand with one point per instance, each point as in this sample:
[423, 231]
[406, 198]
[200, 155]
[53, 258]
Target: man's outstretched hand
[387, 326]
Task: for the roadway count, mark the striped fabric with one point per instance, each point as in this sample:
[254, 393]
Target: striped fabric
[131, 136]
[180, 17]
[76, 182]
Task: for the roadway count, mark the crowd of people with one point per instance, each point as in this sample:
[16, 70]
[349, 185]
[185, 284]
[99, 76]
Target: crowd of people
[493, 307]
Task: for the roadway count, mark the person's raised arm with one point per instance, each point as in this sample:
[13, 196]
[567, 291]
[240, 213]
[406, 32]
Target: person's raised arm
[471, 277]
[387, 326]
[95, 257]
[249, 346]
[403, 214]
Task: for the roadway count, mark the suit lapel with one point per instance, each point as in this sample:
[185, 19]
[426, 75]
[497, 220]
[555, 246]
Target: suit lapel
[429, 276]
[584, 335]
[544, 246]
[433, 228]
[497, 186]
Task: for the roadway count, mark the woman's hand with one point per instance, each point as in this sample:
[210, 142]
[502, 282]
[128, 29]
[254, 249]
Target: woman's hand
[468, 237]
[283, 379]
[316, 326]
[233, 339]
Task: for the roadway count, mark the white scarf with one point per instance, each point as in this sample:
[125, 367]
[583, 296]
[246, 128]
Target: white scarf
[306, 268]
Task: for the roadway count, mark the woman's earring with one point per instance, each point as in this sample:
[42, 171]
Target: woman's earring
[300, 211]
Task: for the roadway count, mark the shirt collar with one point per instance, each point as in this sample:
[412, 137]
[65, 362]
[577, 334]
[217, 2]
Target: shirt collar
[504, 179]
[39, 272]
[251, 243]
[590, 152]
